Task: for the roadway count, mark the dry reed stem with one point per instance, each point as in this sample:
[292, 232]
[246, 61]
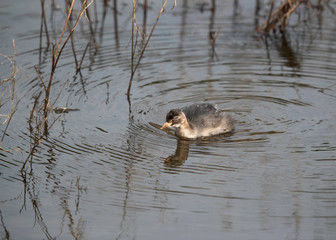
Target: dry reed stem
[285, 10]
[58, 52]
[282, 14]
[93, 35]
[84, 7]
[82, 59]
[65, 25]
[32, 111]
[134, 67]
[55, 57]
[41, 79]
[12, 91]
[36, 133]
[13, 98]
[72, 41]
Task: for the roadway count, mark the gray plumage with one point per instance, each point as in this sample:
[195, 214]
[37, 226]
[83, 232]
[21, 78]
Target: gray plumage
[199, 120]
[202, 115]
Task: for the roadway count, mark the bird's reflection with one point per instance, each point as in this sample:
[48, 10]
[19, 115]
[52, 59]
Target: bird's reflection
[180, 156]
[182, 148]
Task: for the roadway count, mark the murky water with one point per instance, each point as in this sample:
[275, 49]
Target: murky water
[108, 172]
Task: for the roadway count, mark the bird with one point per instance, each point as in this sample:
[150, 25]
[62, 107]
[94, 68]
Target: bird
[198, 121]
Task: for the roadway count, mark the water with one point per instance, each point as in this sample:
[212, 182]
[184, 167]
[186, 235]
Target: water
[108, 172]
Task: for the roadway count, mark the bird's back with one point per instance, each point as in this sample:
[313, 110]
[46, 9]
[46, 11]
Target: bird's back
[202, 115]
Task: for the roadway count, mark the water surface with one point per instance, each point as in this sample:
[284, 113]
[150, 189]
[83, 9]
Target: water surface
[108, 172]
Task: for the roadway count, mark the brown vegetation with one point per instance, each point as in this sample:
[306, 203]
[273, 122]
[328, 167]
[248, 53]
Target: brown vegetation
[281, 15]
[136, 32]
[38, 120]
[9, 86]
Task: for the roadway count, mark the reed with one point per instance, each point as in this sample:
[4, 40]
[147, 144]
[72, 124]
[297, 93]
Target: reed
[281, 15]
[9, 86]
[136, 31]
[39, 126]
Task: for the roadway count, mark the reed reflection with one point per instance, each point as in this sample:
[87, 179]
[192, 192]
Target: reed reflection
[212, 33]
[116, 30]
[287, 52]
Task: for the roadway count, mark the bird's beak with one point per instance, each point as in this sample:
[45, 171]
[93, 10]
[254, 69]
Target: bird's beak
[167, 124]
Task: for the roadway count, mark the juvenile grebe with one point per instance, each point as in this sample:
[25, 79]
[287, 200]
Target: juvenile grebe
[198, 120]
